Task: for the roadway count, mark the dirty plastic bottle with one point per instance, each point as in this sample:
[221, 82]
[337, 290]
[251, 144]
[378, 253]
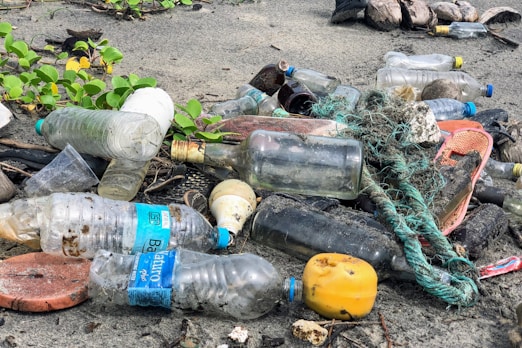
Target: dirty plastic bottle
[316, 81]
[349, 94]
[470, 88]
[79, 224]
[503, 170]
[231, 108]
[266, 104]
[287, 162]
[270, 78]
[123, 178]
[434, 61]
[450, 109]
[462, 30]
[243, 286]
[104, 133]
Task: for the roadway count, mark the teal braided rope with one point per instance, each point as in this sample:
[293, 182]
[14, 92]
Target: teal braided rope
[454, 290]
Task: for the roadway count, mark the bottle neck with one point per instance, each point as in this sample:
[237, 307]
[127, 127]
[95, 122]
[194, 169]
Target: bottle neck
[293, 290]
[221, 155]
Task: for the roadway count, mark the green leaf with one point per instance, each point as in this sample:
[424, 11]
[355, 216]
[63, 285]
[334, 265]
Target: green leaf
[12, 81]
[62, 55]
[81, 46]
[167, 4]
[114, 100]
[145, 82]
[24, 63]
[3, 62]
[133, 79]
[5, 28]
[82, 74]
[213, 137]
[178, 136]
[19, 48]
[133, 2]
[184, 121]
[8, 42]
[69, 75]
[49, 48]
[26, 99]
[193, 108]
[94, 87]
[103, 42]
[47, 73]
[101, 101]
[186, 2]
[16, 92]
[48, 101]
[87, 103]
[212, 120]
[111, 55]
[32, 57]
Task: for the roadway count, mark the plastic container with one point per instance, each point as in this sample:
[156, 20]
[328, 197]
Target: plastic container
[288, 162]
[434, 61]
[450, 109]
[470, 88]
[270, 78]
[462, 30]
[503, 170]
[123, 178]
[243, 286]
[296, 98]
[79, 224]
[266, 104]
[104, 133]
[317, 82]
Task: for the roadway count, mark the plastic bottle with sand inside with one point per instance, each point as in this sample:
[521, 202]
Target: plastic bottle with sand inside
[79, 224]
[434, 61]
[394, 77]
[243, 286]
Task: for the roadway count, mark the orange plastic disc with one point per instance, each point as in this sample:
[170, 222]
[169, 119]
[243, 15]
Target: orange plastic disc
[40, 282]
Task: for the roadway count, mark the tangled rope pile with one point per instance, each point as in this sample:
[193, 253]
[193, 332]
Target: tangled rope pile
[401, 179]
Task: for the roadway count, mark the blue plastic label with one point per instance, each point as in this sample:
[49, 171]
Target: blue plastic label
[150, 282]
[153, 228]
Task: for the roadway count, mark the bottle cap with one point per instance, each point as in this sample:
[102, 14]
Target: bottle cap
[290, 70]
[471, 109]
[458, 62]
[441, 29]
[489, 90]
[283, 65]
[222, 238]
[38, 126]
[517, 170]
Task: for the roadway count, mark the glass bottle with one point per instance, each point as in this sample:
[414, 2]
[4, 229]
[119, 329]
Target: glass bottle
[270, 78]
[434, 61]
[266, 104]
[288, 162]
[450, 109]
[231, 108]
[349, 94]
[243, 286]
[503, 170]
[470, 88]
[462, 30]
[296, 98]
[319, 83]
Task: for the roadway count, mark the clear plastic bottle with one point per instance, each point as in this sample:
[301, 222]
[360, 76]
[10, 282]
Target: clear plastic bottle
[503, 170]
[104, 133]
[349, 94]
[79, 224]
[462, 30]
[434, 61]
[450, 109]
[231, 108]
[270, 78]
[288, 162]
[123, 178]
[470, 88]
[243, 286]
[317, 82]
[266, 104]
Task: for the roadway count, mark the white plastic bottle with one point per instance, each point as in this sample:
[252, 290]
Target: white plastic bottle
[434, 61]
[243, 286]
[123, 177]
[316, 81]
[103, 133]
[462, 30]
[394, 77]
[450, 109]
[79, 224]
[266, 104]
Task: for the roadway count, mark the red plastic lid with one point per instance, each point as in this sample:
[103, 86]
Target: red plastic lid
[40, 282]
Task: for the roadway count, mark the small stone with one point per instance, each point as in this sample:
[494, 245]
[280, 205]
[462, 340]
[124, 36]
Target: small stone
[310, 331]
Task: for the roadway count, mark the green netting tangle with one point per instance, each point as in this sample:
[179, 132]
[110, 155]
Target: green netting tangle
[401, 179]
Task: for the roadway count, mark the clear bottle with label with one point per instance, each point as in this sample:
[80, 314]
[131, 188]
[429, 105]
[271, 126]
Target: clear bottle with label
[434, 61]
[394, 77]
[243, 286]
[270, 78]
[287, 162]
[79, 224]
[450, 109]
[319, 83]
[266, 104]
[104, 133]
[462, 30]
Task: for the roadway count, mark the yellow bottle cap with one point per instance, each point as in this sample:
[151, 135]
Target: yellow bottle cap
[442, 29]
[517, 169]
[458, 62]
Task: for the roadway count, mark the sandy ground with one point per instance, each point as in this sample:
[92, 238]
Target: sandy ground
[207, 54]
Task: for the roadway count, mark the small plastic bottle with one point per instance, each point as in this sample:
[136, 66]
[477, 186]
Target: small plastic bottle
[243, 286]
[270, 78]
[266, 104]
[450, 109]
[288, 162]
[104, 133]
[79, 224]
[434, 61]
[316, 81]
[462, 30]
[503, 170]
[470, 88]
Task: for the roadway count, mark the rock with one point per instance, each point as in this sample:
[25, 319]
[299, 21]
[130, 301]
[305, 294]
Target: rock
[310, 331]
[469, 13]
[417, 13]
[383, 15]
[447, 11]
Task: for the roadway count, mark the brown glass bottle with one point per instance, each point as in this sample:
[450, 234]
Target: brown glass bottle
[270, 78]
[296, 98]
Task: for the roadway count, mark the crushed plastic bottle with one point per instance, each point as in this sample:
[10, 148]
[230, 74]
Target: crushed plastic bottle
[243, 286]
[434, 61]
[79, 224]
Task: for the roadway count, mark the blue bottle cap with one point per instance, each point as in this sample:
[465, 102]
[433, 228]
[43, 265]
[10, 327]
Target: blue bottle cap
[222, 238]
[489, 91]
[471, 109]
[38, 126]
[290, 70]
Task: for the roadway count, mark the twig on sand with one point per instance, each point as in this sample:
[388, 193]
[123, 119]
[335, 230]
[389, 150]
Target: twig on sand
[385, 329]
[21, 145]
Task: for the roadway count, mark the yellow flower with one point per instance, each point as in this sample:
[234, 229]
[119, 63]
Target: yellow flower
[73, 64]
